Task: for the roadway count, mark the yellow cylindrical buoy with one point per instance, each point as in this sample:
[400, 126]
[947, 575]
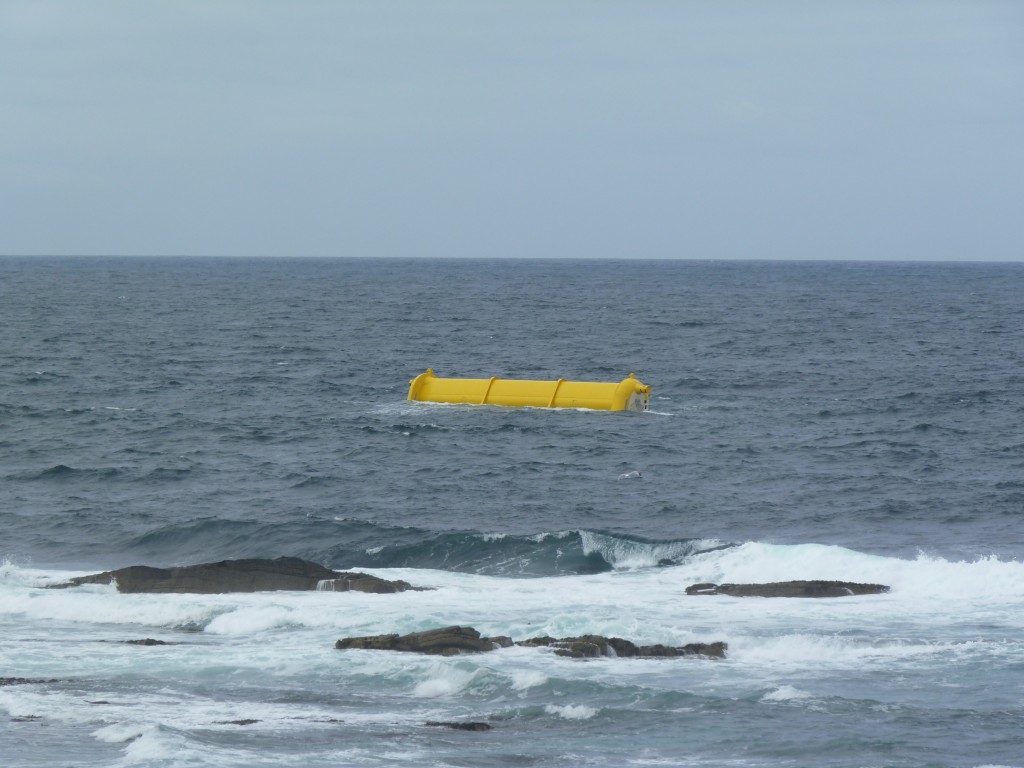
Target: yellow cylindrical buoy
[627, 395]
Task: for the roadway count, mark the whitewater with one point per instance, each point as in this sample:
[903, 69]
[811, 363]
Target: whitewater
[849, 422]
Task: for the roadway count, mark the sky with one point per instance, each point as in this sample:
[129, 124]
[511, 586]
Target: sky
[717, 129]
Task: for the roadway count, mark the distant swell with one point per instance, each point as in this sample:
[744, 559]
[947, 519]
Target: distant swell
[64, 472]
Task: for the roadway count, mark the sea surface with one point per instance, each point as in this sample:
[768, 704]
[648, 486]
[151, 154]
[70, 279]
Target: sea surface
[852, 421]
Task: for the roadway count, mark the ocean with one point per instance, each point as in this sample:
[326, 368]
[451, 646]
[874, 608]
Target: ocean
[850, 421]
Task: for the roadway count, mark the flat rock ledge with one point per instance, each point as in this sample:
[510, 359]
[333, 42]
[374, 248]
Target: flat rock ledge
[254, 575]
[446, 641]
[789, 589]
[596, 646]
[453, 641]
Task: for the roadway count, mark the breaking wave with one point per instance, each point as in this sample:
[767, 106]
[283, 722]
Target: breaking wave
[546, 554]
[344, 544]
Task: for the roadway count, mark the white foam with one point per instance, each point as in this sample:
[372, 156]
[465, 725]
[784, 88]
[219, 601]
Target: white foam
[625, 554]
[923, 576]
[437, 687]
[446, 678]
[941, 615]
[412, 407]
[644, 605]
[493, 537]
[786, 693]
[527, 678]
[103, 605]
[247, 621]
[151, 745]
[119, 733]
[22, 702]
[939, 612]
[571, 711]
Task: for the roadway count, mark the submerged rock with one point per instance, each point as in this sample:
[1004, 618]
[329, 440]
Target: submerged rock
[789, 589]
[450, 641]
[254, 575]
[446, 641]
[147, 641]
[460, 726]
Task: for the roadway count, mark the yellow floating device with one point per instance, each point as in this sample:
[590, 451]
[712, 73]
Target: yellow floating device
[626, 395]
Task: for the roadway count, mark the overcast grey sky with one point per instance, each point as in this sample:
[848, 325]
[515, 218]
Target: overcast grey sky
[805, 130]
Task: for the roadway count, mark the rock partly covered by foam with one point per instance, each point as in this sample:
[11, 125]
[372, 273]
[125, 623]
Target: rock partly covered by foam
[254, 575]
[364, 582]
[446, 641]
[451, 641]
[595, 646]
[148, 641]
[789, 589]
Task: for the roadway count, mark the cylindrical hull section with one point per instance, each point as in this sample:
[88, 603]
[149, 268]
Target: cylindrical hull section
[628, 394]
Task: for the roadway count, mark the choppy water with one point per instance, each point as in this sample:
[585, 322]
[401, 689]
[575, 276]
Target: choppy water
[848, 421]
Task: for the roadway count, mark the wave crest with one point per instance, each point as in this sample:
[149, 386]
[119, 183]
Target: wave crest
[574, 552]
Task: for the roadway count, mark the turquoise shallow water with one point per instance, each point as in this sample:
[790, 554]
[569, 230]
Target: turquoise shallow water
[851, 421]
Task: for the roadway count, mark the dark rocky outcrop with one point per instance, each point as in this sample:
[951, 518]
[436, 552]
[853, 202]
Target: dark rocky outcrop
[789, 589]
[146, 641]
[363, 582]
[245, 721]
[595, 646]
[460, 726]
[255, 575]
[446, 641]
[451, 641]
[23, 681]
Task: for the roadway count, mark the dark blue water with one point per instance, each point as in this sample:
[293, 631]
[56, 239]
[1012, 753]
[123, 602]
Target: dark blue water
[169, 410]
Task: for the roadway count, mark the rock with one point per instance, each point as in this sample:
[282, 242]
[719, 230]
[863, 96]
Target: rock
[447, 641]
[245, 721]
[789, 589]
[362, 582]
[714, 650]
[146, 641]
[702, 589]
[460, 726]
[585, 646]
[255, 575]
[450, 641]
[595, 646]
